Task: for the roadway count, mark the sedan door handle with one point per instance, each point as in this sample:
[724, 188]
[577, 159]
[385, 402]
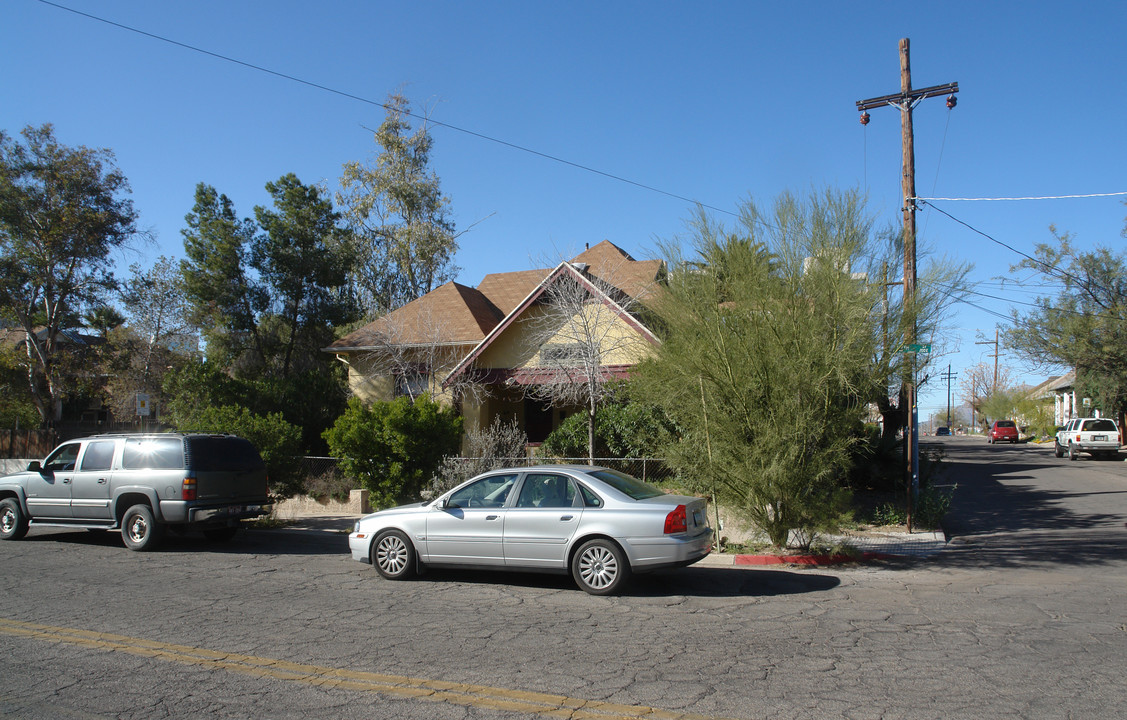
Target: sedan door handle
[565, 518]
[491, 517]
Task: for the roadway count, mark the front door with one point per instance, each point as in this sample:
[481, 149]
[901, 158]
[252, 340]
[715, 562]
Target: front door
[48, 493]
[470, 528]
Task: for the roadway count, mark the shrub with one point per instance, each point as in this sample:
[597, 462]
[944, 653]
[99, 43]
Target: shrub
[393, 448]
[499, 445]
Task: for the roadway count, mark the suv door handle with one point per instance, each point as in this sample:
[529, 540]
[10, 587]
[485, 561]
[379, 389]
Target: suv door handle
[101, 481]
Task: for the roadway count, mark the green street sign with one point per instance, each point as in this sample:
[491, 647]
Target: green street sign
[920, 348]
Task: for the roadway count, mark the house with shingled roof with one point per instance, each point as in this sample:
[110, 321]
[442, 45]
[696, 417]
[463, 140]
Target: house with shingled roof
[485, 350]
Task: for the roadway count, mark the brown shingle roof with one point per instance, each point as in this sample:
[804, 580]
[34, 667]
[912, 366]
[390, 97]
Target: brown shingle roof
[454, 313]
[450, 313]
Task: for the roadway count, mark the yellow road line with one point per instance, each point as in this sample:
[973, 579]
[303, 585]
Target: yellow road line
[462, 694]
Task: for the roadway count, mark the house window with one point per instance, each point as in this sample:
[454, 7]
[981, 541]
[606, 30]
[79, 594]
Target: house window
[412, 383]
[562, 355]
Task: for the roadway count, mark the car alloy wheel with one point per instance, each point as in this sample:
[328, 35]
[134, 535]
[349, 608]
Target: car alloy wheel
[393, 556]
[599, 567]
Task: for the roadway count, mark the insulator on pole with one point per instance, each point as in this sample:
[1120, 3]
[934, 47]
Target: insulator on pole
[952, 101]
[864, 118]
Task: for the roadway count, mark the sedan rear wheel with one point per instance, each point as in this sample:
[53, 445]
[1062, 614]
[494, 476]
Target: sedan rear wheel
[600, 567]
[393, 556]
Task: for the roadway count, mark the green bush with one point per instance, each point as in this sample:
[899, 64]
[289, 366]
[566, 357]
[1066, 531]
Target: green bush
[393, 448]
[277, 441]
[621, 430]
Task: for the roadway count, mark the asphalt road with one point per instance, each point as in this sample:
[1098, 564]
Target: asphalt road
[1023, 616]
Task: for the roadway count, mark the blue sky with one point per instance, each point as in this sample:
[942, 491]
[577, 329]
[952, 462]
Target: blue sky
[712, 101]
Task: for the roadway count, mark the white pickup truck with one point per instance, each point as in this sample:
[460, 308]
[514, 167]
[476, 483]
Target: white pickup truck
[1097, 436]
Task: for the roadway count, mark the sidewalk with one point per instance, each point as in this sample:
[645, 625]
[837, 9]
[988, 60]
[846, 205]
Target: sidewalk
[871, 546]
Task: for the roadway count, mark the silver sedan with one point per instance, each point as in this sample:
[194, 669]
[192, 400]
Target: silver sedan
[598, 524]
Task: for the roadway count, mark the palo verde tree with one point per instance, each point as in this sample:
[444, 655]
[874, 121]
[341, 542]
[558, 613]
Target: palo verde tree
[767, 362]
[62, 214]
[1085, 325]
[405, 239]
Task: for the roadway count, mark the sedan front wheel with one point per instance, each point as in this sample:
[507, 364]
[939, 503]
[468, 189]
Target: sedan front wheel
[600, 567]
[393, 555]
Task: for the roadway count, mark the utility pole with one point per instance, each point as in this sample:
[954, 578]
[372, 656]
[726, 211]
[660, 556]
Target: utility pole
[906, 100]
[994, 387]
[949, 376]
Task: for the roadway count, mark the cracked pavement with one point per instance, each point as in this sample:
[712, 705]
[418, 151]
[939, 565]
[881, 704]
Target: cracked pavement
[1023, 616]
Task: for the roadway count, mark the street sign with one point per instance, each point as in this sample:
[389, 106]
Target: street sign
[920, 348]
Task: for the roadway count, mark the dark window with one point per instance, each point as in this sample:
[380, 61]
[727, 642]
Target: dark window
[1102, 425]
[153, 454]
[218, 452]
[98, 455]
[627, 484]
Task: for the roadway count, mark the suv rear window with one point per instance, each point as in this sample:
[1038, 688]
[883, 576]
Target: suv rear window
[1102, 424]
[153, 454]
[207, 453]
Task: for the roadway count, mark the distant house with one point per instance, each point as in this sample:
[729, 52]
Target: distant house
[480, 349]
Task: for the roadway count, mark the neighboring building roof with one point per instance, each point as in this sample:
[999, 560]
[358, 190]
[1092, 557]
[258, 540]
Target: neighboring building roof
[457, 314]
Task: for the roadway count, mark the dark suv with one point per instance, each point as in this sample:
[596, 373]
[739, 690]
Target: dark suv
[139, 484]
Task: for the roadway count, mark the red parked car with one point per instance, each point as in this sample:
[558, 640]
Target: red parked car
[1002, 430]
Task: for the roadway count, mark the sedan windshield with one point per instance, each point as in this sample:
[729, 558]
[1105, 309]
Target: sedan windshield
[626, 484]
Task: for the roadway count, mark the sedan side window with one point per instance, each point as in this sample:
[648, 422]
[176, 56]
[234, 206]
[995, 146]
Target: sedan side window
[488, 492]
[62, 459]
[546, 491]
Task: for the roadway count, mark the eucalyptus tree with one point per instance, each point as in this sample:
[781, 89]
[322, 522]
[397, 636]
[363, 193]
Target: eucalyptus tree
[62, 215]
[405, 239]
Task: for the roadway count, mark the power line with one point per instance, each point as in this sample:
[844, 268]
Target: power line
[1005, 199]
[368, 101]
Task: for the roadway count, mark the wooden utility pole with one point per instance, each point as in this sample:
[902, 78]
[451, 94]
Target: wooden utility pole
[994, 386]
[906, 100]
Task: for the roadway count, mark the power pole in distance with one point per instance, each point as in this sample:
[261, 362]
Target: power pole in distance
[906, 100]
[949, 376]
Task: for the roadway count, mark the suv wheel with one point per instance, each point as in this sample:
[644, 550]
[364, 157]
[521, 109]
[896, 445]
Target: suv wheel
[1057, 449]
[13, 523]
[139, 530]
[1073, 453]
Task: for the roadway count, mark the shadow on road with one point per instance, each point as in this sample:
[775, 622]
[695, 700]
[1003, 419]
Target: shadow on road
[248, 542]
[686, 582]
[1027, 508]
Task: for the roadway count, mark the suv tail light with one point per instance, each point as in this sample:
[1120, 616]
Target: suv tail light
[188, 489]
[675, 521]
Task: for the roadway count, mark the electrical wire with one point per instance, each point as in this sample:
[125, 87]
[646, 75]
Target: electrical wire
[1004, 199]
[358, 98]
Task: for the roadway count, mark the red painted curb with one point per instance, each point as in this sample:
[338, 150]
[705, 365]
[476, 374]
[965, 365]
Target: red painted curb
[807, 559]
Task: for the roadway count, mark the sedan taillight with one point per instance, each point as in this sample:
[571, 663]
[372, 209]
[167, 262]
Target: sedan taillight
[675, 521]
